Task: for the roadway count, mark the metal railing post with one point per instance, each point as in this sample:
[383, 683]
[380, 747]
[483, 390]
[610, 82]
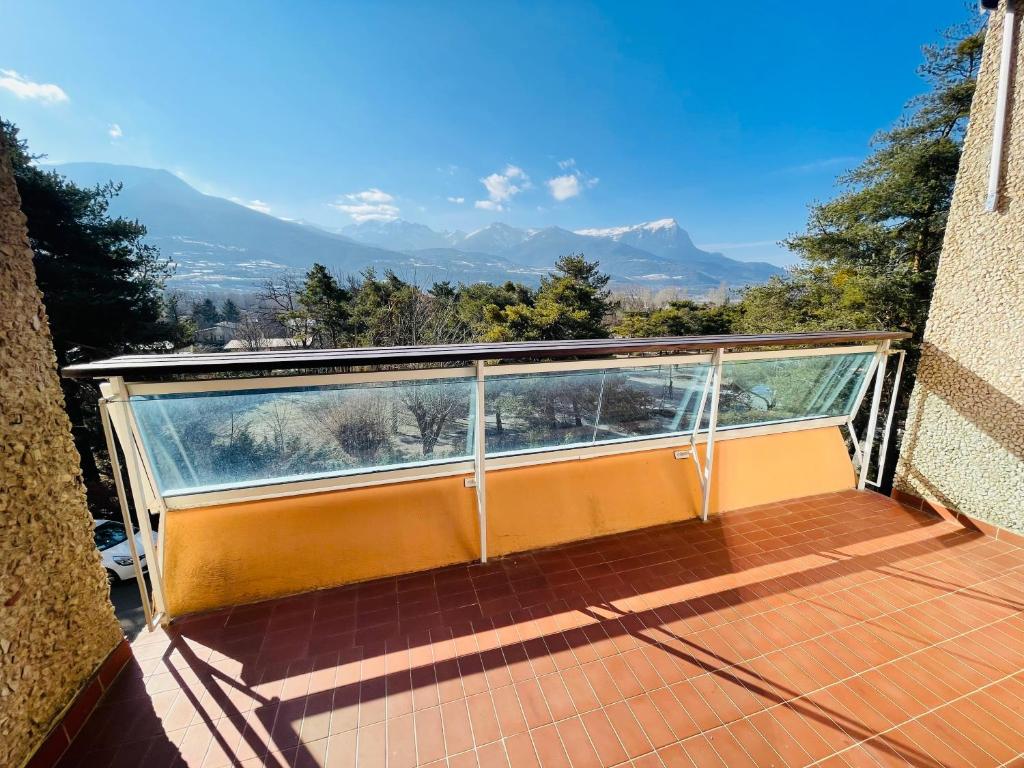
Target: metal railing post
[480, 452]
[709, 450]
[122, 499]
[696, 424]
[121, 423]
[886, 431]
[876, 398]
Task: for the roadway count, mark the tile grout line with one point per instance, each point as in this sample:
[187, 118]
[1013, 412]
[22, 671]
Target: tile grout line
[933, 710]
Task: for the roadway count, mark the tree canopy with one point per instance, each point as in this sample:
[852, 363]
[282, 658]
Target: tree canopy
[571, 303]
[869, 256]
[101, 284]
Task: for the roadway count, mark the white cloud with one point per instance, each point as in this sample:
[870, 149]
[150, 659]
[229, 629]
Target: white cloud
[369, 205]
[502, 187]
[564, 187]
[115, 131]
[372, 195]
[256, 205]
[23, 88]
[457, 200]
[571, 184]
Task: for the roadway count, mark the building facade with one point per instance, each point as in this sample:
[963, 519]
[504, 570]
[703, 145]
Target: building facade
[963, 447]
[57, 625]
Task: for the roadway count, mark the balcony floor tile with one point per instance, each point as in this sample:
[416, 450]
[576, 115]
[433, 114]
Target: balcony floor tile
[842, 629]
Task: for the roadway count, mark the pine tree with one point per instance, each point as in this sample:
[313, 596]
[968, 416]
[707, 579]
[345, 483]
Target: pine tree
[325, 304]
[870, 255]
[205, 314]
[101, 285]
[229, 311]
[571, 303]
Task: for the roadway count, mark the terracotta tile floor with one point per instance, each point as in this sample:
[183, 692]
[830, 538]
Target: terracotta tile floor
[836, 630]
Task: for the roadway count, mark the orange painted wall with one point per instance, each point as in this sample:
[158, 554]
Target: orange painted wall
[238, 553]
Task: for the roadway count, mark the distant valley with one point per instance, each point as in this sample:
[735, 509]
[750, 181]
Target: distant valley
[219, 245]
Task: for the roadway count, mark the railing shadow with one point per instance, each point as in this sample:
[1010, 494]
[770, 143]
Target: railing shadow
[519, 616]
[979, 403]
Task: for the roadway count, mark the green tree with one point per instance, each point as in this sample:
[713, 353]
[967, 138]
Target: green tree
[682, 317]
[571, 303]
[101, 285]
[870, 255]
[389, 311]
[179, 324]
[205, 314]
[325, 304]
[229, 311]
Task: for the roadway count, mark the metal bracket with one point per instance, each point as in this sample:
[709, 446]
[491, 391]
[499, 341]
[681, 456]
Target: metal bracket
[869, 433]
[887, 430]
[712, 388]
[479, 458]
[122, 498]
[120, 420]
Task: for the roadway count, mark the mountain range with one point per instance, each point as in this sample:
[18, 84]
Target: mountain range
[220, 245]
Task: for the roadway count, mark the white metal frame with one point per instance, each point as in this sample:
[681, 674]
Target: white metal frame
[574, 366]
[1002, 102]
[142, 482]
[379, 476]
[712, 388]
[122, 498]
[264, 383]
[467, 468]
[142, 479]
[881, 356]
[480, 457]
[887, 430]
[779, 354]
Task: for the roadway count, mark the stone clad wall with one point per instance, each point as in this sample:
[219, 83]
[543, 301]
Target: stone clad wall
[964, 442]
[56, 621]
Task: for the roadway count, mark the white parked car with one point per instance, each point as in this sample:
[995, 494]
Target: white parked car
[112, 542]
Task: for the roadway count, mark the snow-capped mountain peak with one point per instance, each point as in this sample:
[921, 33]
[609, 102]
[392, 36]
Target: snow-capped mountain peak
[494, 238]
[616, 233]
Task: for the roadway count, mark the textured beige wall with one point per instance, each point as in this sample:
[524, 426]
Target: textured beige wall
[964, 442]
[56, 621]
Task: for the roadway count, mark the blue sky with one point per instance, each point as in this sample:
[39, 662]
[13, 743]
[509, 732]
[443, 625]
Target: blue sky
[730, 118]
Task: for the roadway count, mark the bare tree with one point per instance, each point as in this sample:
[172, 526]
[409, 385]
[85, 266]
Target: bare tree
[277, 419]
[359, 423]
[255, 328]
[434, 406]
[412, 317]
[280, 298]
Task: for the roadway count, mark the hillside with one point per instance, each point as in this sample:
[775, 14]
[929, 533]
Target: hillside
[217, 244]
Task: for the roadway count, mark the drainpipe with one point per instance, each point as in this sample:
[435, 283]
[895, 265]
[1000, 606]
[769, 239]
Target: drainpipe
[1002, 98]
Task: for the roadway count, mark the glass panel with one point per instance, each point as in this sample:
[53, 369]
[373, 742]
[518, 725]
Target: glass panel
[788, 388]
[218, 440]
[214, 440]
[557, 410]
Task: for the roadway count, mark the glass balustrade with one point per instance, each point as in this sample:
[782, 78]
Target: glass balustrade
[230, 438]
